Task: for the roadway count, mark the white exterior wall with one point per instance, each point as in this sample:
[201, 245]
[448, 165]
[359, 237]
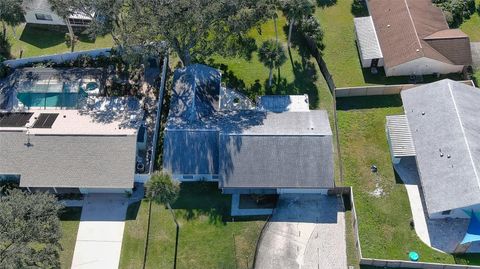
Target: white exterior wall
[193, 178]
[422, 66]
[30, 17]
[367, 63]
[302, 191]
[104, 190]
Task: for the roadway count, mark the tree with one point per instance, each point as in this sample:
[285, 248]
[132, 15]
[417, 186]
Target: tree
[456, 10]
[296, 10]
[162, 189]
[12, 14]
[272, 56]
[29, 230]
[310, 27]
[193, 29]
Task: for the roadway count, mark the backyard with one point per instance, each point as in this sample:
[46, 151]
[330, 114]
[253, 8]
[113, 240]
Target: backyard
[341, 54]
[381, 200]
[36, 41]
[70, 220]
[208, 237]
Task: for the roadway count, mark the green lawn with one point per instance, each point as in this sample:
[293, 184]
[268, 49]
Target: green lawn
[341, 54]
[472, 26]
[36, 42]
[208, 238]
[299, 74]
[69, 219]
[384, 221]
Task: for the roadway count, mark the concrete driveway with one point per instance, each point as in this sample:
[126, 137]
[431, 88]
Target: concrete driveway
[100, 233]
[305, 231]
[475, 54]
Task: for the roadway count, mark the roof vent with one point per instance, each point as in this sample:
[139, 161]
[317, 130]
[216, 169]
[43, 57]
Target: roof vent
[423, 113]
[448, 156]
[388, 25]
[418, 50]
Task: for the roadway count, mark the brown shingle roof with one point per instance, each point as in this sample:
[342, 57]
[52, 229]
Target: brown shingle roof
[412, 29]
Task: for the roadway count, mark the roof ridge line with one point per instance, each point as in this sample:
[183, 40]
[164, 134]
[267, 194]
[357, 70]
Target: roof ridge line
[413, 24]
[463, 133]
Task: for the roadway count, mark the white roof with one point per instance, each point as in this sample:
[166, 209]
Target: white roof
[99, 116]
[401, 141]
[367, 38]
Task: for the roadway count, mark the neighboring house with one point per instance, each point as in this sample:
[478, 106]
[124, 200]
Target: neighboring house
[40, 12]
[246, 150]
[57, 136]
[441, 129]
[410, 37]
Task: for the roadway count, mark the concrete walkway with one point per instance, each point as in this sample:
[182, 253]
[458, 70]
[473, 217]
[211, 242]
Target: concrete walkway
[100, 233]
[305, 231]
[440, 234]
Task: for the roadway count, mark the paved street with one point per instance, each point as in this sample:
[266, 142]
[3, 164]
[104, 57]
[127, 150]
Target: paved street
[100, 233]
[306, 231]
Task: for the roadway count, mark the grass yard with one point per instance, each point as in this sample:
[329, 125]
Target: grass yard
[69, 222]
[299, 74]
[208, 237]
[472, 26]
[341, 54]
[35, 42]
[384, 220]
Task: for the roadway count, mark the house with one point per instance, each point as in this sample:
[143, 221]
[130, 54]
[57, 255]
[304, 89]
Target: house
[39, 12]
[243, 148]
[55, 137]
[441, 130]
[410, 37]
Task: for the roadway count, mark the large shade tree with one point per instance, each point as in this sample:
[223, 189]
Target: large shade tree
[12, 14]
[29, 230]
[193, 29]
[272, 56]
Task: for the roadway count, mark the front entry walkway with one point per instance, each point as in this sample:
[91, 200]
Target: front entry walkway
[100, 233]
[305, 231]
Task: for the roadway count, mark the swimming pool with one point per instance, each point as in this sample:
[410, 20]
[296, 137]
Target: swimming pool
[50, 93]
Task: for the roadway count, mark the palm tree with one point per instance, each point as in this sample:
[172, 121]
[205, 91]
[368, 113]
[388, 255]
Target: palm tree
[272, 56]
[295, 10]
[162, 189]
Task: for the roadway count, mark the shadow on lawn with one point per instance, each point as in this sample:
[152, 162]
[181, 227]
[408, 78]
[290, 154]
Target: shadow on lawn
[198, 199]
[365, 102]
[41, 38]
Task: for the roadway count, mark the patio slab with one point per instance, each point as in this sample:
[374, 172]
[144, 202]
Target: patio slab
[440, 234]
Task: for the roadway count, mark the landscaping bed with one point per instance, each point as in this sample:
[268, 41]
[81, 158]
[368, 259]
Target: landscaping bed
[208, 236]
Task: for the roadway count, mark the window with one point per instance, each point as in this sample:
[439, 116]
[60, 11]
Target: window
[446, 212]
[43, 17]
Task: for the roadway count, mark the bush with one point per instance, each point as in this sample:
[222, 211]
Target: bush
[456, 11]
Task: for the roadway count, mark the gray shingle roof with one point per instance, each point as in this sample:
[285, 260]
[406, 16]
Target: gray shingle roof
[191, 152]
[69, 161]
[253, 161]
[443, 119]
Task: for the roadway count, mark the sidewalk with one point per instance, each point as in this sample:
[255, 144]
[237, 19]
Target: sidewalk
[100, 233]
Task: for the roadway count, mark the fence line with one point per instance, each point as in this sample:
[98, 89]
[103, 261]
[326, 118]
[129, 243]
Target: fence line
[159, 114]
[380, 89]
[57, 58]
